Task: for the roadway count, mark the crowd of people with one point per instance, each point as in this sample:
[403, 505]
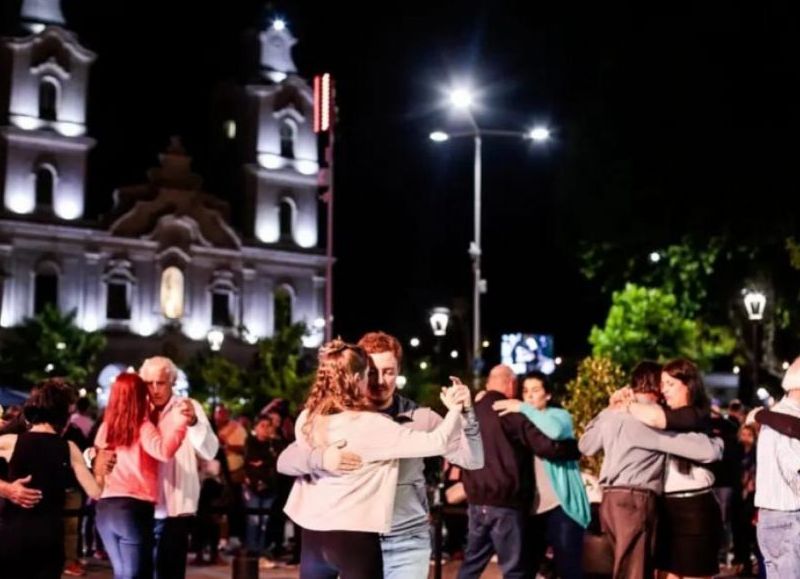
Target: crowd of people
[345, 489]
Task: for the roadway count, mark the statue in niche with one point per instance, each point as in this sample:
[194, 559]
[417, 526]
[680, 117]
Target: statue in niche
[172, 293]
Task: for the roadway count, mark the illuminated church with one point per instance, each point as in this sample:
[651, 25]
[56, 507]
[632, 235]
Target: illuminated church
[165, 266]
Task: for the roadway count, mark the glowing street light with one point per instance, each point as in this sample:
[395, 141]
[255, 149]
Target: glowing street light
[439, 319]
[461, 98]
[215, 338]
[414, 342]
[540, 134]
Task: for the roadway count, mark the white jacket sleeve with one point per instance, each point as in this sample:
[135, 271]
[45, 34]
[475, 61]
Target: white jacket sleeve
[201, 435]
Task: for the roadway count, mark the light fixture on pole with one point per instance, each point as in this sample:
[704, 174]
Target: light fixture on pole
[215, 338]
[439, 319]
[463, 100]
[755, 303]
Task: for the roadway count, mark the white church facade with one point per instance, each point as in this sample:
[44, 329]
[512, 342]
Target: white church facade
[165, 265]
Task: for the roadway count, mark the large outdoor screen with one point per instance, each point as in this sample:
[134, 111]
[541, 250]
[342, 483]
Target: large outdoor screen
[528, 352]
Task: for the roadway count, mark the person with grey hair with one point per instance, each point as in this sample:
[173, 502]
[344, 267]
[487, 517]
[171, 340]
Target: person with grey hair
[178, 481]
[777, 486]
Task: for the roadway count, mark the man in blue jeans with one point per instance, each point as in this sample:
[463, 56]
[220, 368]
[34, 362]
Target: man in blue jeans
[501, 492]
[406, 549]
[778, 487]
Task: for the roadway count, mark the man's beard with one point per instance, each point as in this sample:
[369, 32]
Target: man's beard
[378, 393]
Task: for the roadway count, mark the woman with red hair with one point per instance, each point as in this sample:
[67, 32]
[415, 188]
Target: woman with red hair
[126, 508]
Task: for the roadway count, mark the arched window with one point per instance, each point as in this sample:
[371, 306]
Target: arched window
[286, 212]
[45, 289]
[120, 282]
[287, 129]
[48, 97]
[45, 182]
[223, 299]
[221, 309]
[283, 308]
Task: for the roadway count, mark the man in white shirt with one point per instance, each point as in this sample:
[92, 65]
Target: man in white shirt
[178, 481]
[778, 488]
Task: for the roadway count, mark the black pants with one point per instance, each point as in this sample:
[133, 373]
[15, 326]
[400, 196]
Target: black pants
[344, 554]
[171, 546]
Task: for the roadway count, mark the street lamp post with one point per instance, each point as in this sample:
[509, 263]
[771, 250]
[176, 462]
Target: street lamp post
[462, 99]
[754, 303]
[439, 319]
[215, 339]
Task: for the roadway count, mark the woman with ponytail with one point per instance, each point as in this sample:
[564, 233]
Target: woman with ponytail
[342, 516]
[126, 508]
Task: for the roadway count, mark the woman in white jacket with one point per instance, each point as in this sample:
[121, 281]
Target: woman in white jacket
[342, 516]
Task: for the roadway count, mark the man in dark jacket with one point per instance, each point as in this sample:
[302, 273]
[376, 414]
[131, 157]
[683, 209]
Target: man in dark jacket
[500, 493]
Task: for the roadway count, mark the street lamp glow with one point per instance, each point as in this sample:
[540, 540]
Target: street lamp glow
[414, 342]
[485, 343]
[439, 320]
[279, 24]
[82, 392]
[461, 98]
[655, 257]
[454, 354]
[401, 382]
[423, 365]
[539, 134]
[762, 394]
[558, 360]
[61, 346]
[215, 338]
[49, 368]
[439, 136]
[736, 370]
[754, 303]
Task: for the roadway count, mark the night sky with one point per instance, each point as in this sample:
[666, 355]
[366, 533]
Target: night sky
[668, 118]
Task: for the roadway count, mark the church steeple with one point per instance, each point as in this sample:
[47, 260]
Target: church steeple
[36, 14]
[45, 143]
[276, 49]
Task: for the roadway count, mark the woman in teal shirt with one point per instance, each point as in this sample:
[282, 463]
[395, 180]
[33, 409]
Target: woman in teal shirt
[561, 507]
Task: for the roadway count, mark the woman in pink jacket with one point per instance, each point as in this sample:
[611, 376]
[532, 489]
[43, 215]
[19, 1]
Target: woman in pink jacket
[125, 509]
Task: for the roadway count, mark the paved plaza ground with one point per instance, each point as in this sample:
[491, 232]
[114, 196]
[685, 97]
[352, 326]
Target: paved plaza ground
[101, 569]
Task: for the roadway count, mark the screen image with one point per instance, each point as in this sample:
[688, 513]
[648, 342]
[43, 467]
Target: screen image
[527, 352]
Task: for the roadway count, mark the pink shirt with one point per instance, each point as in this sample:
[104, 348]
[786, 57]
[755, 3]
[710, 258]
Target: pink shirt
[135, 474]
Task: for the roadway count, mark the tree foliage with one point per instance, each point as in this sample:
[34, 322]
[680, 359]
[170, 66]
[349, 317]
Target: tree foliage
[588, 393]
[646, 323]
[51, 344]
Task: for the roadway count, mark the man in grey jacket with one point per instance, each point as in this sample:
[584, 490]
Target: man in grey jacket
[406, 548]
[632, 474]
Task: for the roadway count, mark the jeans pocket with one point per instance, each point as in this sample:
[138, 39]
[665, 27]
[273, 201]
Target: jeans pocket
[773, 536]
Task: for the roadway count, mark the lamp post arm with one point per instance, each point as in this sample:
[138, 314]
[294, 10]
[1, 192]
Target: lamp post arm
[487, 133]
